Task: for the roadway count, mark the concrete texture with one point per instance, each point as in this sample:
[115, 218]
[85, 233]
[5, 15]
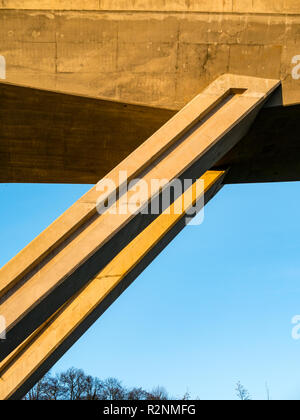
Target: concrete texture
[267, 153]
[81, 242]
[145, 60]
[53, 137]
[35, 356]
[154, 53]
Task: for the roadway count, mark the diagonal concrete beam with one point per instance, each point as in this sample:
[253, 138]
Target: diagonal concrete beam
[34, 357]
[74, 248]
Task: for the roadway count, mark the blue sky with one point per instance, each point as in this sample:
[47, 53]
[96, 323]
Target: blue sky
[214, 308]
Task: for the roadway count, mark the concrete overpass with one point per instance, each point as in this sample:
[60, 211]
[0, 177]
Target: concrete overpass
[183, 91]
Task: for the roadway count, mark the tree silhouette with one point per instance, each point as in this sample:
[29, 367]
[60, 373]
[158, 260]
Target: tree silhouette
[242, 393]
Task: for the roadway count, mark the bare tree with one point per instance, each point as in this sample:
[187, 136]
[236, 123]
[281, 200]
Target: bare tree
[74, 384]
[268, 392]
[40, 389]
[55, 390]
[158, 393]
[112, 389]
[137, 394]
[242, 393]
[187, 396]
[94, 388]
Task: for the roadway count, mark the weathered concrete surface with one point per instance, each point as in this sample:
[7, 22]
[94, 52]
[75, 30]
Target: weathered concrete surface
[271, 150]
[150, 52]
[36, 356]
[154, 53]
[244, 6]
[57, 138]
[81, 242]
[54, 137]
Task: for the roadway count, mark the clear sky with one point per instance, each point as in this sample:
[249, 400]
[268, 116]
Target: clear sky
[214, 308]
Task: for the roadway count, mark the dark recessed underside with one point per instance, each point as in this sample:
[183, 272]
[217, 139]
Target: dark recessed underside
[51, 137]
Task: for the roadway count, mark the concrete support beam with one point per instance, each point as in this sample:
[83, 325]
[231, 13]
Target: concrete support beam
[54, 137]
[74, 248]
[34, 357]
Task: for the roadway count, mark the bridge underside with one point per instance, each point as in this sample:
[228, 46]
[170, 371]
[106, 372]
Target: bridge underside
[58, 285]
[53, 137]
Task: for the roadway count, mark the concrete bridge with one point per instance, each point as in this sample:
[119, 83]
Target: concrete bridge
[179, 89]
